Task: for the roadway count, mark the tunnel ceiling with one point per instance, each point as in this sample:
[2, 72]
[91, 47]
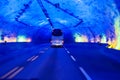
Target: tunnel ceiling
[88, 17]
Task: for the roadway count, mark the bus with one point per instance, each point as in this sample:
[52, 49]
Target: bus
[57, 38]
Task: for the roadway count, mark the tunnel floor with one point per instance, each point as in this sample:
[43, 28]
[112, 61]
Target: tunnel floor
[77, 61]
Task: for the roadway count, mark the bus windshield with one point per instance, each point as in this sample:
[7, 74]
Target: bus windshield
[57, 32]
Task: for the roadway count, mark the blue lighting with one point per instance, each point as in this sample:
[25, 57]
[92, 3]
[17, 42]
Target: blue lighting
[86, 17]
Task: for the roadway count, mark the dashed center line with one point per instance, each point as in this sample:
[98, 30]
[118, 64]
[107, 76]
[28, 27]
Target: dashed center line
[65, 49]
[35, 58]
[30, 58]
[10, 72]
[14, 74]
[46, 48]
[85, 73]
[42, 52]
[73, 58]
[68, 52]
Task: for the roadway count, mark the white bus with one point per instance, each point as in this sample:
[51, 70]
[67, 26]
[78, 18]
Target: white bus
[57, 39]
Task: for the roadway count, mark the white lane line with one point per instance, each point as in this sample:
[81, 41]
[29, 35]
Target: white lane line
[42, 52]
[10, 72]
[46, 48]
[15, 73]
[65, 49]
[68, 52]
[35, 58]
[73, 58]
[85, 73]
[30, 58]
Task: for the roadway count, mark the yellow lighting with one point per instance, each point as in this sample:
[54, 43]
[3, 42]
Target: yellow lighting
[85, 39]
[28, 40]
[79, 38]
[97, 39]
[11, 39]
[23, 39]
[103, 40]
[116, 42]
[117, 32]
[14, 39]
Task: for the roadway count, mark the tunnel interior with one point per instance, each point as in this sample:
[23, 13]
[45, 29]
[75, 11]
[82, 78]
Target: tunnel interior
[59, 39]
[81, 21]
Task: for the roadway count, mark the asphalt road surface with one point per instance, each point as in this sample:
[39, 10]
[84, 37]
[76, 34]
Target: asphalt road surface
[72, 62]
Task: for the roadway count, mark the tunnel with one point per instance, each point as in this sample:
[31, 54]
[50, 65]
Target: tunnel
[86, 41]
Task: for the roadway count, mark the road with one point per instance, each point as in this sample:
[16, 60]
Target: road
[72, 62]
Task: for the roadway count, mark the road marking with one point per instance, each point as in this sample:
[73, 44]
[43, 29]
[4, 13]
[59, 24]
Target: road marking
[46, 48]
[68, 52]
[42, 52]
[73, 58]
[81, 69]
[15, 73]
[35, 58]
[65, 49]
[85, 73]
[10, 72]
[30, 58]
